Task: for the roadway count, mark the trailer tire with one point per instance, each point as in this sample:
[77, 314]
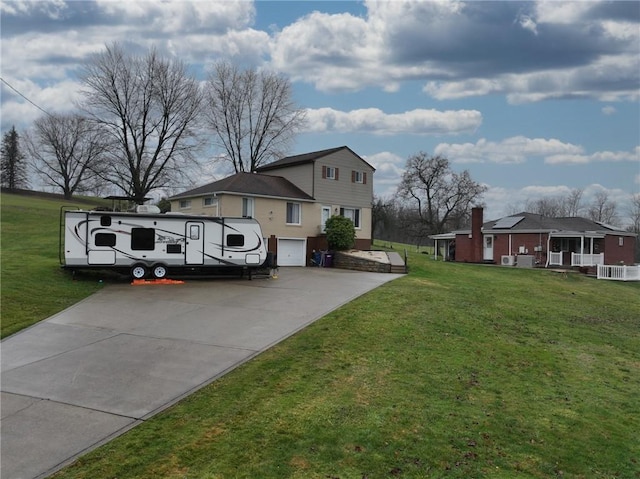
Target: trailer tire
[159, 271]
[139, 271]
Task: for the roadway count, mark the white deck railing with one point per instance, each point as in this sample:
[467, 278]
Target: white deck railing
[619, 273]
[578, 259]
[555, 259]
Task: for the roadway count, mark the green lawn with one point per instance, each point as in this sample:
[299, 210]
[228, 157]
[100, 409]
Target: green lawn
[33, 285]
[453, 371]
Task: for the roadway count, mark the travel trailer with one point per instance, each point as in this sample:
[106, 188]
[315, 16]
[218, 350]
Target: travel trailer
[148, 243]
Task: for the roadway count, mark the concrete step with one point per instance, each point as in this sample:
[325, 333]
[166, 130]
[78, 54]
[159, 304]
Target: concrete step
[397, 263]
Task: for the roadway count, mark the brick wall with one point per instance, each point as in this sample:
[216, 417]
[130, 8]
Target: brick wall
[614, 253]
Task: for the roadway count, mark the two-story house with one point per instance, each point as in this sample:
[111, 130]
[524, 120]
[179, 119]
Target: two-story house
[292, 198]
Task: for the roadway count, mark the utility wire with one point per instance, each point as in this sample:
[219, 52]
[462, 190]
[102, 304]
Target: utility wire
[11, 86]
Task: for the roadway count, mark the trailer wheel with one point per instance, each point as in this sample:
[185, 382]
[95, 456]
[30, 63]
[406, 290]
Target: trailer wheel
[138, 271]
[159, 271]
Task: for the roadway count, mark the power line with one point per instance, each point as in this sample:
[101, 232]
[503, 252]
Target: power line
[11, 86]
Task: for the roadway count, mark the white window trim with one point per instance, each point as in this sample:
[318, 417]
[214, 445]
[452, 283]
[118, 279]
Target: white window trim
[359, 210]
[251, 207]
[323, 221]
[358, 177]
[331, 169]
[299, 222]
[187, 204]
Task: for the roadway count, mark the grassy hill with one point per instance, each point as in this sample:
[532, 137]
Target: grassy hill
[33, 285]
[453, 371]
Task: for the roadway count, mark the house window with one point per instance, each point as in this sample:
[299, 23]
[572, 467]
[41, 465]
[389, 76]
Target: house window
[293, 213]
[330, 172]
[326, 214]
[185, 204]
[359, 177]
[212, 203]
[353, 214]
[620, 241]
[247, 207]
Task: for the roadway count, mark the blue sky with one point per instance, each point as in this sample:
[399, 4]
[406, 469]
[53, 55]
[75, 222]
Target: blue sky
[534, 99]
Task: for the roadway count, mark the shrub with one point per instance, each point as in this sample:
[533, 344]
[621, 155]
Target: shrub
[341, 234]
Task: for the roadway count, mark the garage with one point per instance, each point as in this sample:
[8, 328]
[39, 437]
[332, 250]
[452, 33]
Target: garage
[292, 251]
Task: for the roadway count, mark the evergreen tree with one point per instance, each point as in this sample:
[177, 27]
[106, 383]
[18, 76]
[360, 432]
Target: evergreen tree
[13, 168]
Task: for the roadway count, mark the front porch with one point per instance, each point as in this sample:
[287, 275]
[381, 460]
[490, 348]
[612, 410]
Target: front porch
[575, 249]
[576, 259]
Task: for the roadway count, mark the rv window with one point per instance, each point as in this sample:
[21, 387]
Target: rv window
[174, 248]
[105, 221]
[194, 232]
[235, 240]
[105, 239]
[143, 239]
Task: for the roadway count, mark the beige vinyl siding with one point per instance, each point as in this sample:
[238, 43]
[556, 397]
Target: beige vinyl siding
[343, 190]
[299, 175]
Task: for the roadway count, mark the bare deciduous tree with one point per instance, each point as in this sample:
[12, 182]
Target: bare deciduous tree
[634, 213]
[603, 209]
[148, 107]
[66, 151]
[441, 197]
[557, 206]
[13, 169]
[252, 115]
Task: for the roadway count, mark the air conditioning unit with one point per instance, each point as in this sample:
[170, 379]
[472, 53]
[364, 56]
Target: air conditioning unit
[508, 260]
[147, 209]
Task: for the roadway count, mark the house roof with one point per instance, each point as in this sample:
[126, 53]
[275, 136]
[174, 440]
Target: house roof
[249, 184]
[529, 222]
[307, 158]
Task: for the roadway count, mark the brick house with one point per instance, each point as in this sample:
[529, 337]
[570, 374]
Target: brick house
[292, 198]
[536, 240]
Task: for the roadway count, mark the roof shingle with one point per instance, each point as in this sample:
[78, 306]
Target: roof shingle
[249, 184]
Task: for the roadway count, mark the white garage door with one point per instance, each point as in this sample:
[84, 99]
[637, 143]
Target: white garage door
[292, 251]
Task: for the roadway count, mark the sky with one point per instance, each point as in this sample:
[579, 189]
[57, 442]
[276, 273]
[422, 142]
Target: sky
[534, 99]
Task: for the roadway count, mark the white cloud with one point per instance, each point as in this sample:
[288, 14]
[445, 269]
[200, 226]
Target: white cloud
[584, 81]
[575, 50]
[608, 110]
[516, 149]
[389, 169]
[599, 156]
[375, 121]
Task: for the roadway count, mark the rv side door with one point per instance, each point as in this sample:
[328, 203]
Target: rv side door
[194, 244]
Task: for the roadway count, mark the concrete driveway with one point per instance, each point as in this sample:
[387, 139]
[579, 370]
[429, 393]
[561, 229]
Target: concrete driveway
[99, 368]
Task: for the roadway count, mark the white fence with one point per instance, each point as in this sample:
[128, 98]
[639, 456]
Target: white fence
[578, 259]
[619, 273]
[555, 259]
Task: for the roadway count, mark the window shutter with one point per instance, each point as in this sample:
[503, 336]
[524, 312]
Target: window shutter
[324, 171]
[364, 177]
[337, 170]
[353, 176]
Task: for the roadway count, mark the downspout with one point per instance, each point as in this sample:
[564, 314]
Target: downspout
[548, 250]
[509, 252]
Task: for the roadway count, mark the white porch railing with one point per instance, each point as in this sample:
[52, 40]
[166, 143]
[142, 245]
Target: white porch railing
[578, 259]
[555, 259]
[619, 273]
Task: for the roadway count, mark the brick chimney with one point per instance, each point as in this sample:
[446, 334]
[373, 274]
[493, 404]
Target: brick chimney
[477, 215]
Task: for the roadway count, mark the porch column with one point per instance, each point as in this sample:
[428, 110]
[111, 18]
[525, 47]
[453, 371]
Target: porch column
[435, 251]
